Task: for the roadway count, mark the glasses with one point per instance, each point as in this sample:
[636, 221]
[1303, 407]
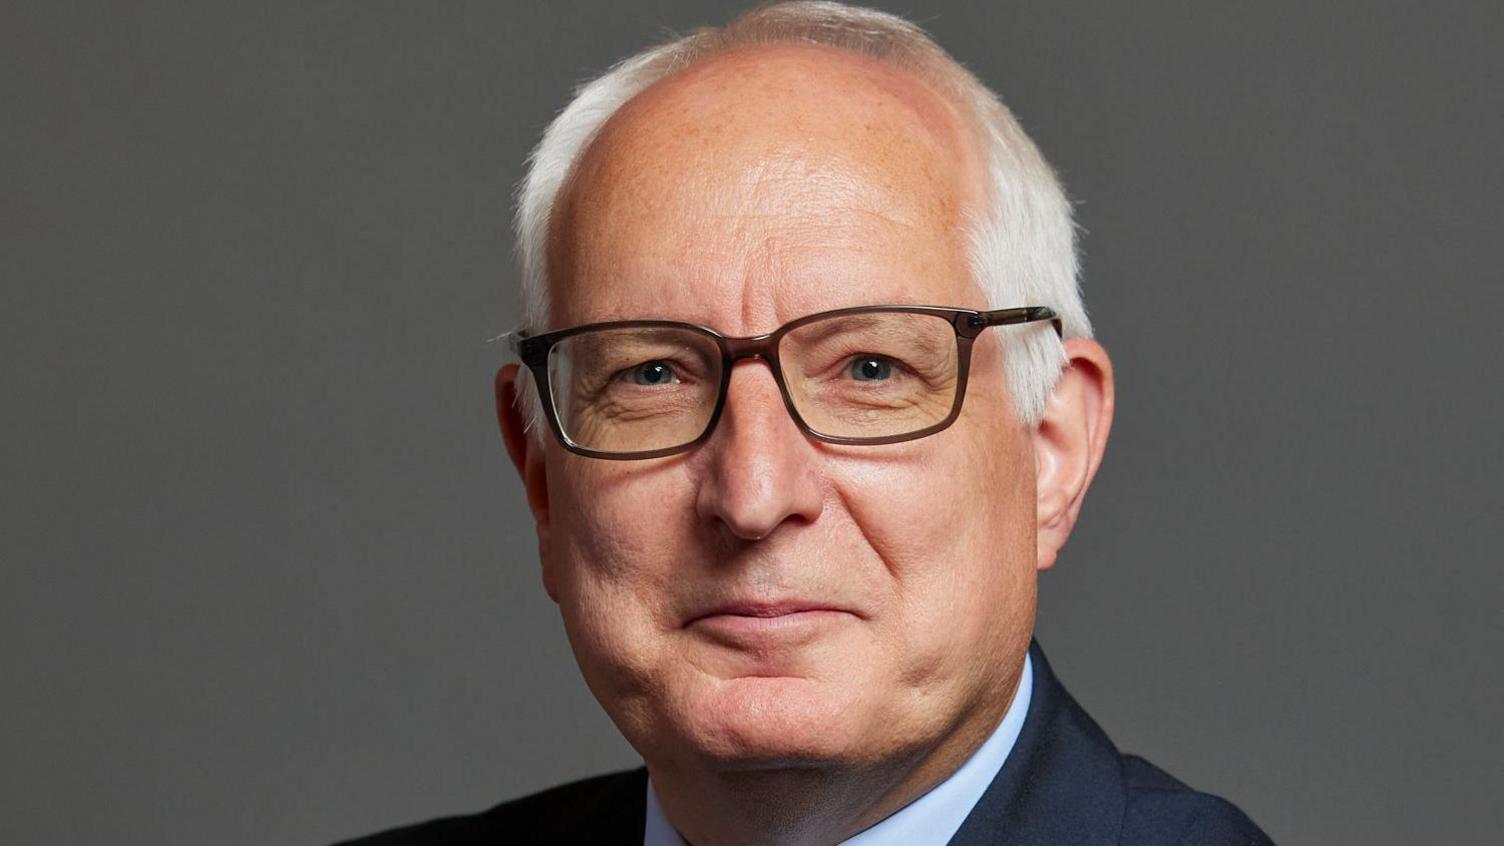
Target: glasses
[865, 375]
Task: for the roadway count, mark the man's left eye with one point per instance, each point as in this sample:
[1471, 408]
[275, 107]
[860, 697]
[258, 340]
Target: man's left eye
[870, 368]
[653, 373]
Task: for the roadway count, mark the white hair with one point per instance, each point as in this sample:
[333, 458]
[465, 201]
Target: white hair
[1022, 242]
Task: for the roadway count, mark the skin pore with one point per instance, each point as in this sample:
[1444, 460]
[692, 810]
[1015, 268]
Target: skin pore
[758, 186]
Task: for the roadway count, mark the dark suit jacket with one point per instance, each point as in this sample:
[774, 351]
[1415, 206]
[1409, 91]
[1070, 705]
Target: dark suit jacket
[1063, 783]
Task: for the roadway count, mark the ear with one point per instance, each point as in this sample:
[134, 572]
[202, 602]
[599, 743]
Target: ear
[1069, 441]
[527, 456]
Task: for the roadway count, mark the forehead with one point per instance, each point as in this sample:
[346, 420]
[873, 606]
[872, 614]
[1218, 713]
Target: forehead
[762, 184]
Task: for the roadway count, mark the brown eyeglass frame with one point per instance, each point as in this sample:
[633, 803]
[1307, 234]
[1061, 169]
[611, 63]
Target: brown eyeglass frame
[533, 351]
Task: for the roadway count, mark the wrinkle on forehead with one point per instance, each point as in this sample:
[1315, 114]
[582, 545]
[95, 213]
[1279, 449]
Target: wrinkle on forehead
[754, 155]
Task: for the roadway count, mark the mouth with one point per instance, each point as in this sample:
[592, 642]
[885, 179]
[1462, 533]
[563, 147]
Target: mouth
[747, 624]
[755, 608]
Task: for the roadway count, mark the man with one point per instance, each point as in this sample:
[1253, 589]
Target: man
[807, 398]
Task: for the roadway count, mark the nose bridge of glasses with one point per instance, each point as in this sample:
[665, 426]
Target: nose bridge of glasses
[764, 347]
[757, 346]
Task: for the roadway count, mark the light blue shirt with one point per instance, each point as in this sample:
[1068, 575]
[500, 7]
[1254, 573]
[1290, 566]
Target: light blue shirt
[933, 817]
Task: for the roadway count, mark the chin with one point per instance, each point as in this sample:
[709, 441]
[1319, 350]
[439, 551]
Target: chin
[754, 722]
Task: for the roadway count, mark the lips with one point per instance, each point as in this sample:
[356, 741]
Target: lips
[758, 626]
[757, 608]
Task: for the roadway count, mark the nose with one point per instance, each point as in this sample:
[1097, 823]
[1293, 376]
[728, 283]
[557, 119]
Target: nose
[760, 468]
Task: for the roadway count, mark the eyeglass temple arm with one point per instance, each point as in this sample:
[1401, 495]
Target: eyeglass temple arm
[1026, 314]
[513, 338]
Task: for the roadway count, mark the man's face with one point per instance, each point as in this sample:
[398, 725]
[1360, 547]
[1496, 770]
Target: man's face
[761, 186]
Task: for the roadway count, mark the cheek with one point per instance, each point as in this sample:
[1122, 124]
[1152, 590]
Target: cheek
[954, 524]
[614, 523]
[966, 495]
[618, 532]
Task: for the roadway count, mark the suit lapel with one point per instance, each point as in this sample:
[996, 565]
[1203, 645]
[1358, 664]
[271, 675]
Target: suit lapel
[1061, 782]
[619, 815]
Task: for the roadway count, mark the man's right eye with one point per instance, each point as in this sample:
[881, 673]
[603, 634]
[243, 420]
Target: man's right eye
[871, 368]
[652, 373]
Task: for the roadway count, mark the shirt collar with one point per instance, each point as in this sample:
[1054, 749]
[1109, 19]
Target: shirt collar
[933, 817]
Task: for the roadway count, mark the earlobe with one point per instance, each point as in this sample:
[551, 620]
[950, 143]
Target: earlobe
[1069, 442]
[527, 457]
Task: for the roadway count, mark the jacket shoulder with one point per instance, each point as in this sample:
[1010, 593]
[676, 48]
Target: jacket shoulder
[603, 809]
[1161, 809]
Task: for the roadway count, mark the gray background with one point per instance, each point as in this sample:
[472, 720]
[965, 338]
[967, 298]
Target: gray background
[267, 576]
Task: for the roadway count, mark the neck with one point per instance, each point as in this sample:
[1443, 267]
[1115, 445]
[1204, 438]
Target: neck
[811, 805]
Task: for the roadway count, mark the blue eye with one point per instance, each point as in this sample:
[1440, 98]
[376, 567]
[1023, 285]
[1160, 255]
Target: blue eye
[870, 368]
[652, 373]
